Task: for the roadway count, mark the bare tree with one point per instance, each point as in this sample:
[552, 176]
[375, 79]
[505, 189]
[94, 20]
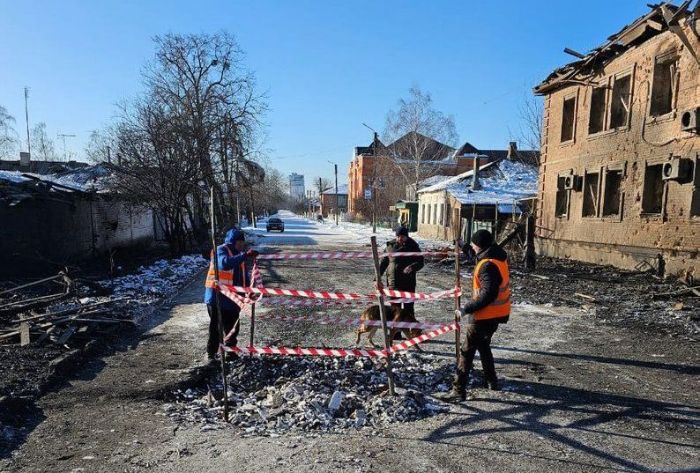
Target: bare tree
[530, 113]
[8, 135]
[42, 146]
[195, 127]
[100, 146]
[202, 78]
[421, 137]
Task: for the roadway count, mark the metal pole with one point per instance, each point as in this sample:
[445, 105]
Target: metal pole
[458, 285]
[382, 313]
[26, 116]
[337, 210]
[220, 321]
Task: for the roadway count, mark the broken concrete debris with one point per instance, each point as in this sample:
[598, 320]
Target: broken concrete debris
[277, 395]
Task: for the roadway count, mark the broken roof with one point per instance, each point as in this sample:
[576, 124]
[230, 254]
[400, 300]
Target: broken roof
[501, 181]
[342, 189]
[643, 28]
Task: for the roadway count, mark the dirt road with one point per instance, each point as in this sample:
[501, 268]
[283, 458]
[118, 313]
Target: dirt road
[579, 395]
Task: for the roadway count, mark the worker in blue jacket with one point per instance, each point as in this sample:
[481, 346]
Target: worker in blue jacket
[233, 271]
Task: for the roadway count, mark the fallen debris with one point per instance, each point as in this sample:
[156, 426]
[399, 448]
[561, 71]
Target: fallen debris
[274, 395]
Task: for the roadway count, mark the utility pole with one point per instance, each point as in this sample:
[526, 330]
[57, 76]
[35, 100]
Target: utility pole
[375, 146]
[320, 196]
[26, 116]
[337, 207]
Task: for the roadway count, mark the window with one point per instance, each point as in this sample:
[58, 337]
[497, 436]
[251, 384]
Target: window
[612, 198]
[448, 215]
[596, 122]
[442, 214]
[568, 119]
[590, 195]
[422, 213]
[435, 215]
[664, 85]
[652, 194]
[620, 106]
[561, 204]
[429, 207]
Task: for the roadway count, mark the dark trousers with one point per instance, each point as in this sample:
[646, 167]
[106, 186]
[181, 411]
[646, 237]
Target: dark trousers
[477, 338]
[229, 317]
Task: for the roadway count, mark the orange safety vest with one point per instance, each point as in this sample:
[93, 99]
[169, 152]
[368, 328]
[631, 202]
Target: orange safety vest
[225, 275]
[501, 306]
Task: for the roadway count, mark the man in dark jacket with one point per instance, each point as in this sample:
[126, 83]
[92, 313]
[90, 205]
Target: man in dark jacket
[489, 307]
[401, 271]
[233, 271]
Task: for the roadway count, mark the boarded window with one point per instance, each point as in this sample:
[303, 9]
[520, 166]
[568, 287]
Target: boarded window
[652, 195]
[663, 86]
[568, 118]
[590, 195]
[596, 120]
[612, 195]
[620, 107]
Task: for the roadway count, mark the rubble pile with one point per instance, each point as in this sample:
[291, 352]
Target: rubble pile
[274, 395]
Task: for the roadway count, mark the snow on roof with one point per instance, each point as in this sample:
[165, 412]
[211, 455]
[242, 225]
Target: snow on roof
[97, 178]
[432, 180]
[342, 189]
[12, 176]
[501, 182]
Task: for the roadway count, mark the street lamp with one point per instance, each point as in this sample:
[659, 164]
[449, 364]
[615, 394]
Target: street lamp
[337, 207]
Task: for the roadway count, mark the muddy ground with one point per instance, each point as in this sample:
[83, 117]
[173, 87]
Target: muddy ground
[587, 387]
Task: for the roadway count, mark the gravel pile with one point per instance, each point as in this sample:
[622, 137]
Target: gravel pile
[274, 395]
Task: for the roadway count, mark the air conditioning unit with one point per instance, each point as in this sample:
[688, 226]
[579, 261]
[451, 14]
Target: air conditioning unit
[570, 181]
[690, 120]
[677, 169]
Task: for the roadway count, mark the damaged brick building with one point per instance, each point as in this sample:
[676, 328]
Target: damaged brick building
[619, 178]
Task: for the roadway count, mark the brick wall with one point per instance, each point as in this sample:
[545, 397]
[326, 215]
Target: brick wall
[632, 237]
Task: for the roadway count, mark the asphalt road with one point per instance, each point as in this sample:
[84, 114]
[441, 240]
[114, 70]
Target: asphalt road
[578, 395]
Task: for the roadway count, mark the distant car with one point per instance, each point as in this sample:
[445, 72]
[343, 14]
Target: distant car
[275, 224]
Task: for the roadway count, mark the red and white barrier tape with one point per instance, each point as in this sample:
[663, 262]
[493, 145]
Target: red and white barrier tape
[341, 352]
[347, 321]
[347, 255]
[298, 303]
[342, 295]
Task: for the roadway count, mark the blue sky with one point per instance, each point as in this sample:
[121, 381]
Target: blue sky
[327, 66]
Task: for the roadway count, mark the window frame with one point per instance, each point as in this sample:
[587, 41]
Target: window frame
[572, 96]
[597, 206]
[605, 85]
[620, 167]
[671, 115]
[629, 72]
[567, 213]
[652, 215]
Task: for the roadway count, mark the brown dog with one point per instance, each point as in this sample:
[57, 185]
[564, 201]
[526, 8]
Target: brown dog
[394, 314]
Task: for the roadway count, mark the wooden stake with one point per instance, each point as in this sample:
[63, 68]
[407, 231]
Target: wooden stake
[382, 313]
[252, 324]
[219, 319]
[458, 284]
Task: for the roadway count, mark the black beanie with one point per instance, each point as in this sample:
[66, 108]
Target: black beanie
[401, 231]
[482, 238]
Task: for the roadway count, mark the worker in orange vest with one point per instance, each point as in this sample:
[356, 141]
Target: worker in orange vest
[233, 271]
[489, 307]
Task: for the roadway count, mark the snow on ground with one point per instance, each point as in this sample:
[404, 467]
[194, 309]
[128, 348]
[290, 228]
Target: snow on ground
[153, 283]
[302, 231]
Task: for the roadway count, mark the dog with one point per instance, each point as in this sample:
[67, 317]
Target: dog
[395, 313]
